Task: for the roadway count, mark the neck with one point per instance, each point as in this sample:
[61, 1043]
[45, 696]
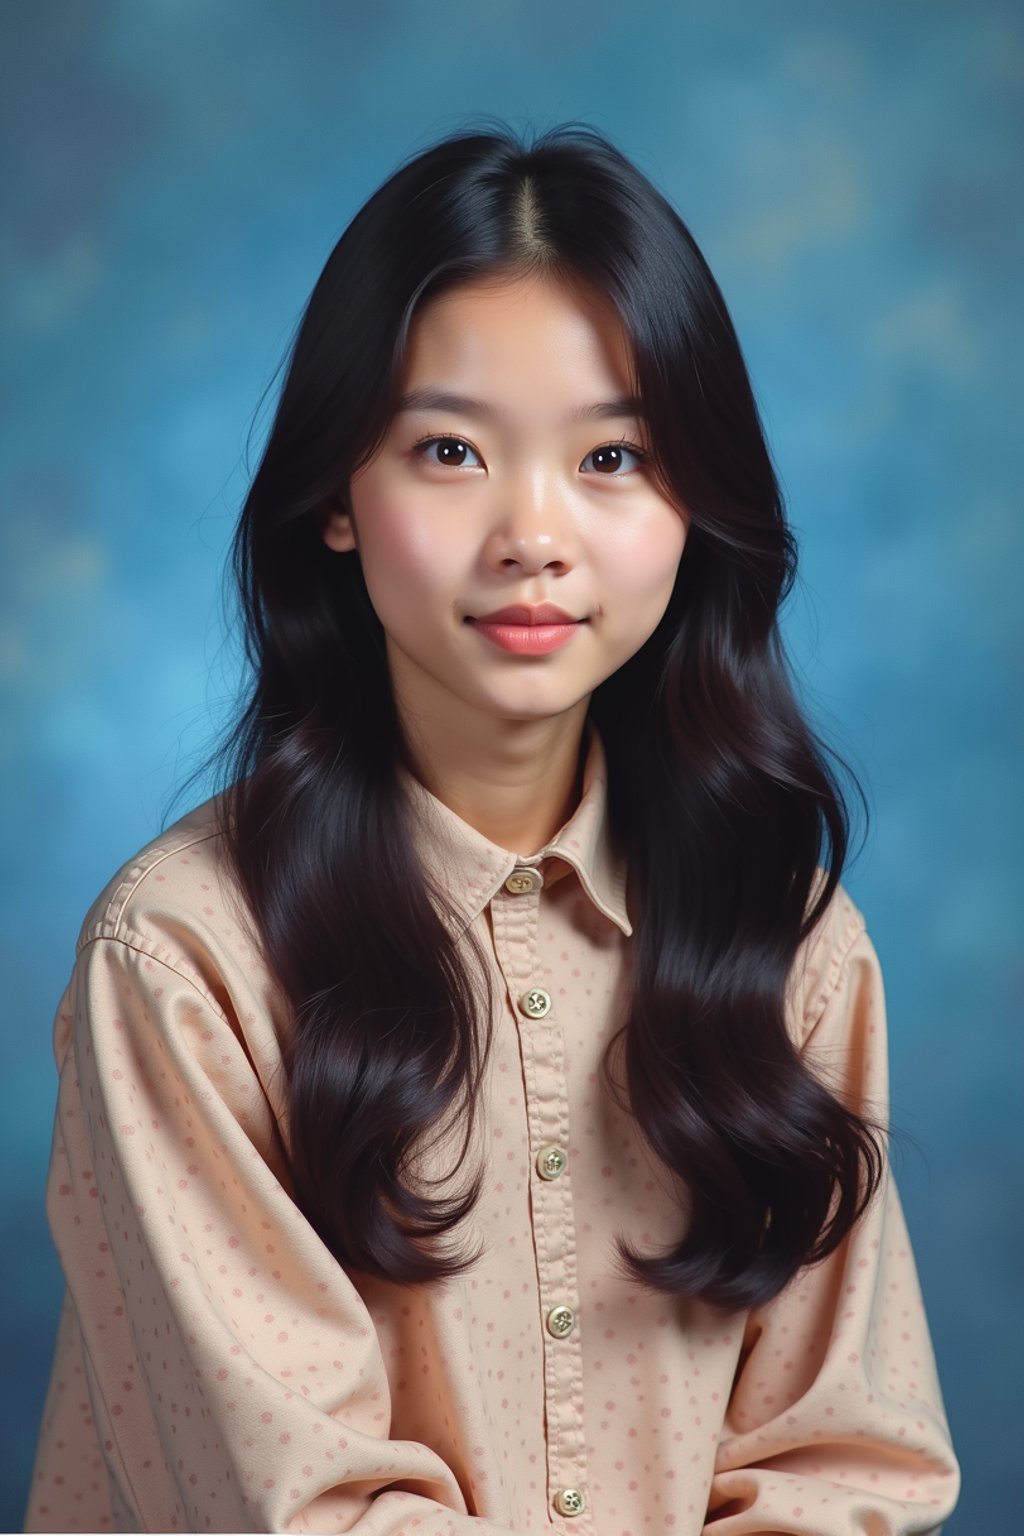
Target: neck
[516, 781]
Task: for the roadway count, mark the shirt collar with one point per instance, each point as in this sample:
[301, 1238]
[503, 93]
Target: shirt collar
[470, 869]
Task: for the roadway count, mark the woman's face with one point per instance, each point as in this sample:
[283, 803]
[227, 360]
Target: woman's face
[517, 500]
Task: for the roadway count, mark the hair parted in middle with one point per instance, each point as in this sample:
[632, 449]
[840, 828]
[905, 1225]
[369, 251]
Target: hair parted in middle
[720, 795]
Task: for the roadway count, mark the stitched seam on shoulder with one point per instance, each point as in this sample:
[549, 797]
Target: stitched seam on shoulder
[113, 912]
[855, 926]
[143, 946]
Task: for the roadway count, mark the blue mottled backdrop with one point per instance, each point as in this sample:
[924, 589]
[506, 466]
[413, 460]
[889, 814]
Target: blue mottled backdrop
[174, 176]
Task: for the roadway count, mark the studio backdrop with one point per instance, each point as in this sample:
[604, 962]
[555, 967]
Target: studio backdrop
[172, 180]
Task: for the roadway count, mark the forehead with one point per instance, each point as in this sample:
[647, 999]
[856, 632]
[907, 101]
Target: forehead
[539, 331]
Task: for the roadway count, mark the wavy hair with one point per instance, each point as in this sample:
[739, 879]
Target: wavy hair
[719, 793]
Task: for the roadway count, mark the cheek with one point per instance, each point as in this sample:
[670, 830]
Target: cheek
[405, 557]
[643, 565]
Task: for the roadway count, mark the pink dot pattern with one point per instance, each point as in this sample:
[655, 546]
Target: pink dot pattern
[216, 1369]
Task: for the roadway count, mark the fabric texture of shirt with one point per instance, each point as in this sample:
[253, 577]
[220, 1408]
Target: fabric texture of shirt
[217, 1369]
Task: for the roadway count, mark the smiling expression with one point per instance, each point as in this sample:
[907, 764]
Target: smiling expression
[514, 470]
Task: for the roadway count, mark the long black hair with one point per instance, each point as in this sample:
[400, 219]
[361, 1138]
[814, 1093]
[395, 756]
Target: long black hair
[720, 794]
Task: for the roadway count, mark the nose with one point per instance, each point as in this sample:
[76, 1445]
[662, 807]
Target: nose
[533, 525]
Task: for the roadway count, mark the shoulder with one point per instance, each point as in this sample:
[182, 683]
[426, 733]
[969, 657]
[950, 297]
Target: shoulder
[184, 845]
[176, 900]
[167, 956]
[820, 959]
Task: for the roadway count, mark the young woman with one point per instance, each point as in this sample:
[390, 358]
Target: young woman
[473, 1118]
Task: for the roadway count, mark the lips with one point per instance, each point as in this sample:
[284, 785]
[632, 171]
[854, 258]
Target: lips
[523, 613]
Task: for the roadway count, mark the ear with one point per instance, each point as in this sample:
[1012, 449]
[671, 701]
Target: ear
[336, 526]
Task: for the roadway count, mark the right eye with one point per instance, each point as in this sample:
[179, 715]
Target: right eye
[452, 450]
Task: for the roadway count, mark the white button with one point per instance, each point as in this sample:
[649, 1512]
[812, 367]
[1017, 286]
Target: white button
[521, 881]
[561, 1320]
[570, 1501]
[535, 1003]
[551, 1161]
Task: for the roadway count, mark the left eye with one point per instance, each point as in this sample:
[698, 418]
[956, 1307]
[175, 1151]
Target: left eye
[453, 450]
[609, 458]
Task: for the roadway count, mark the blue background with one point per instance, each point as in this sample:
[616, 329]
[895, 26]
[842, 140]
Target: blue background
[174, 176]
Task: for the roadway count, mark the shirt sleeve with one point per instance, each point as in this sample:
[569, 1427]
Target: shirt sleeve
[836, 1424]
[234, 1375]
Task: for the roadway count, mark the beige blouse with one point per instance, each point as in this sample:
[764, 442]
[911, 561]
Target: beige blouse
[216, 1369]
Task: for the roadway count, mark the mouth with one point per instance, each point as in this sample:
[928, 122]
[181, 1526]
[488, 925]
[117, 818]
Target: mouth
[526, 615]
[524, 623]
[527, 639]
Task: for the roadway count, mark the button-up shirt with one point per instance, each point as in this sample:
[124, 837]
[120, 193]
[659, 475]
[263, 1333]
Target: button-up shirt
[217, 1369]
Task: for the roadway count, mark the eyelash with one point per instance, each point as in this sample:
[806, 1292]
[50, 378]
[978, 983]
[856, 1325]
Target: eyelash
[421, 444]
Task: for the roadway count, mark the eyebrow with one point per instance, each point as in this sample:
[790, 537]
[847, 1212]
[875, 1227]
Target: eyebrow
[427, 399]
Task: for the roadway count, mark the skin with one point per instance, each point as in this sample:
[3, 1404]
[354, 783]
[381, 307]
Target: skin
[525, 511]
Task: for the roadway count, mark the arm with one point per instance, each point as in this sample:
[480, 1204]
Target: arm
[836, 1425]
[233, 1372]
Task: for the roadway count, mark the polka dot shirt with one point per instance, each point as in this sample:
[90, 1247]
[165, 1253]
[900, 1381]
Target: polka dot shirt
[216, 1369]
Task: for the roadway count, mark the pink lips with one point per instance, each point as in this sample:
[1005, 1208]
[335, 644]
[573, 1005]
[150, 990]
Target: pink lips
[526, 630]
[527, 613]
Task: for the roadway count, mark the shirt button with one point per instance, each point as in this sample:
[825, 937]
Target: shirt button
[522, 881]
[535, 1003]
[570, 1501]
[551, 1161]
[561, 1320]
